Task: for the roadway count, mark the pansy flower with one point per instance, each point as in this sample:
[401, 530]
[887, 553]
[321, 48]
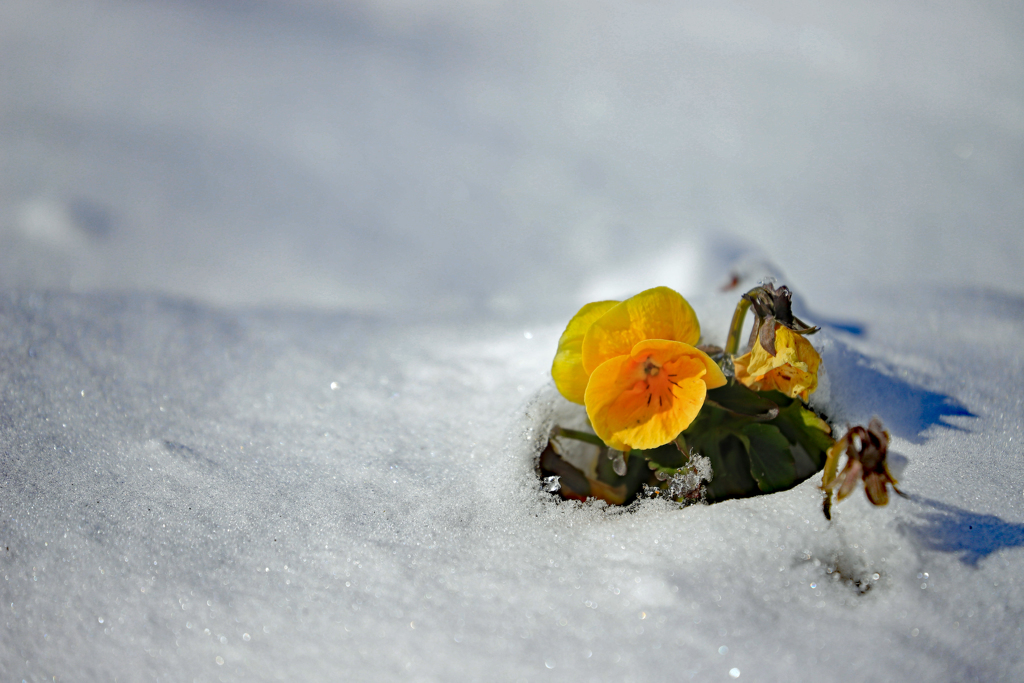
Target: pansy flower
[634, 366]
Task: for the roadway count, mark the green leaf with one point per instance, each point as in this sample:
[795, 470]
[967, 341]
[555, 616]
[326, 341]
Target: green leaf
[771, 460]
[801, 426]
[716, 435]
[730, 464]
[776, 397]
[667, 456]
[737, 400]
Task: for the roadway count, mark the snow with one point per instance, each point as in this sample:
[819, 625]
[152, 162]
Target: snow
[280, 285]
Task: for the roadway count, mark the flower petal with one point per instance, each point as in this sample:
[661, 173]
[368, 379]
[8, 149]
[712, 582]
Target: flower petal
[874, 486]
[793, 369]
[567, 368]
[645, 399]
[791, 381]
[852, 473]
[659, 313]
[713, 376]
[743, 376]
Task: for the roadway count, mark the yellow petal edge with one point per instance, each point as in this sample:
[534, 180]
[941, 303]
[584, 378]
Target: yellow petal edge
[567, 368]
[658, 313]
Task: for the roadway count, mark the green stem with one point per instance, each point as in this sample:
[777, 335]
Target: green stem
[828, 475]
[580, 436]
[732, 342]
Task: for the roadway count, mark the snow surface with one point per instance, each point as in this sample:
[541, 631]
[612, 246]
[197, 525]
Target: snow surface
[281, 284]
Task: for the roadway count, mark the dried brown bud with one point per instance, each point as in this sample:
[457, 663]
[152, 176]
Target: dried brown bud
[866, 449]
[773, 306]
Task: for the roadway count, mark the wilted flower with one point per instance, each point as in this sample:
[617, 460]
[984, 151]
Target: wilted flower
[779, 357]
[773, 308]
[792, 369]
[634, 366]
[866, 450]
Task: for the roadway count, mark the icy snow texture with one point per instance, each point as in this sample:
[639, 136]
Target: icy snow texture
[202, 477]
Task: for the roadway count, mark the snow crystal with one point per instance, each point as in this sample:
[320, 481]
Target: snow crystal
[689, 481]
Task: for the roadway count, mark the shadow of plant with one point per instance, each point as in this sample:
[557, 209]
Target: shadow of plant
[866, 387]
[950, 529]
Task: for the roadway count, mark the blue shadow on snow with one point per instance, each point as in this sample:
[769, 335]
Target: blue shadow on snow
[857, 329]
[906, 409]
[950, 529]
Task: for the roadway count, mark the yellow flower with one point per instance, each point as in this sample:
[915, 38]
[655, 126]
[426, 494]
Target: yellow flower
[634, 366]
[793, 369]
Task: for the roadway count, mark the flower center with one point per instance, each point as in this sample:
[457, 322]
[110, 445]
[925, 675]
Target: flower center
[650, 368]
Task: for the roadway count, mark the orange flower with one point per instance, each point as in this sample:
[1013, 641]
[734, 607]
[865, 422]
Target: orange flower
[793, 369]
[634, 366]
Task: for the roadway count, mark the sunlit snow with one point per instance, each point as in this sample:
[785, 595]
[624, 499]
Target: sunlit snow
[281, 282]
